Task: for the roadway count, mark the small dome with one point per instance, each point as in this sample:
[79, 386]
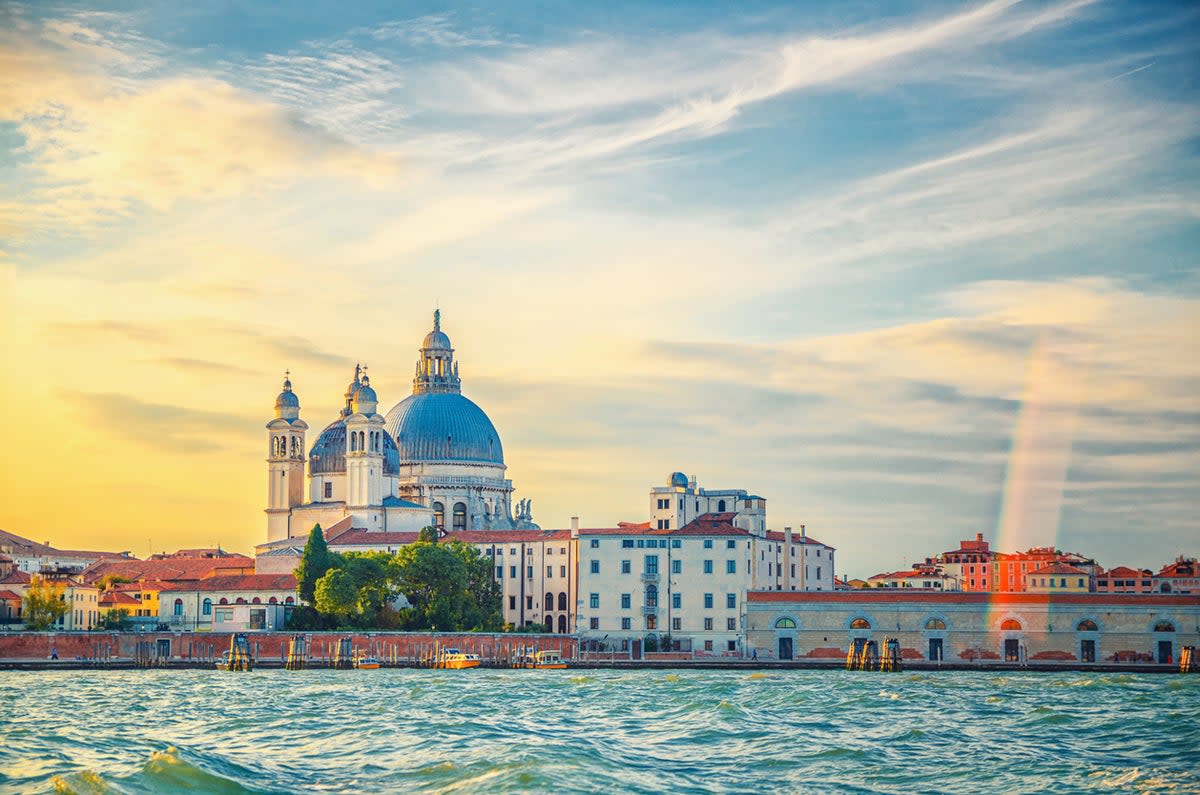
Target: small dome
[287, 405]
[328, 453]
[436, 340]
[678, 480]
[365, 393]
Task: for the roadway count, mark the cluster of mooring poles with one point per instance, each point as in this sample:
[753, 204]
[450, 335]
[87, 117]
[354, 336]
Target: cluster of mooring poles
[863, 656]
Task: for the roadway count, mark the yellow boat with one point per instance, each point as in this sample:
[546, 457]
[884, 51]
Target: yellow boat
[548, 660]
[457, 660]
[366, 663]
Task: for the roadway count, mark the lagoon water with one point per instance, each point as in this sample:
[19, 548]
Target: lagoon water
[597, 731]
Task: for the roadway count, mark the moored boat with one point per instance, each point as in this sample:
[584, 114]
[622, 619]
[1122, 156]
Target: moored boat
[456, 659]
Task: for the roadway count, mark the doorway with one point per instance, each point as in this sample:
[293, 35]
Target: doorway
[785, 648]
[935, 649]
[163, 648]
[1164, 652]
[1087, 651]
[1012, 650]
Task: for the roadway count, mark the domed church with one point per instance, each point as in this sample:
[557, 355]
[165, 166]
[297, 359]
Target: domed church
[434, 459]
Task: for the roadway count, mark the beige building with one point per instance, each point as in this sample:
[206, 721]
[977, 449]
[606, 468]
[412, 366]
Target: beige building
[963, 627]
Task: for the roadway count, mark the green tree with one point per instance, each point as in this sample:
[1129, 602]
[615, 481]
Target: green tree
[114, 619]
[429, 534]
[336, 594]
[109, 580]
[313, 565]
[481, 588]
[43, 604]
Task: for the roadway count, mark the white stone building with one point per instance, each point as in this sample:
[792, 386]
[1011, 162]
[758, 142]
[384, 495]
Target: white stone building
[229, 603]
[434, 459]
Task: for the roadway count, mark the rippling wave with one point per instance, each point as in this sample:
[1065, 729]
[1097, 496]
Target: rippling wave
[586, 731]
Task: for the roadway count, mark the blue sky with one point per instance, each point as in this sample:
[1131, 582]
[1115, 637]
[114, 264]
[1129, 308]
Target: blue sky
[831, 253]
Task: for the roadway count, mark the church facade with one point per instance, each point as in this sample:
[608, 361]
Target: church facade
[435, 459]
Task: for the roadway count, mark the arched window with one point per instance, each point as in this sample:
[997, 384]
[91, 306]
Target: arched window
[223, 601]
[785, 623]
[1010, 624]
[860, 623]
[1165, 588]
[720, 506]
[460, 516]
[291, 600]
[256, 601]
[274, 600]
[549, 601]
[562, 625]
[1087, 625]
[1164, 626]
[439, 516]
[241, 600]
[935, 623]
[178, 607]
[562, 601]
[652, 595]
[206, 607]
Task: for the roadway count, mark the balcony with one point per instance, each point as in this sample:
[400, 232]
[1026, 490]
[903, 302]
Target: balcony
[649, 576]
[649, 610]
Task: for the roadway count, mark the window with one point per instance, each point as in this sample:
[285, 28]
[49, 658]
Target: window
[708, 625]
[499, 572]
[708, 567]
[223, 615]
[626, 623]
[677, 566]
[626, 601]
[439, 515]
[675, 543]
[708, 543]
[512, 603]
[562, 571]
[731, 601]
[731, 624]
[651, 596]
[627, 543]
[720, 506]
[935, 623]
[1164, 626]
[512, 572]
[595, 567]
[1087, 625]
[676, 600]
[676, 624]
[595, 543]
[785, 623]
[651, 622]
[328, 489]
[549, 571]
[708, 645]
[818, 572]
[528, 602]
[860, 623]
[641, 542]
[708, 601]
[549, 602]
[594, 601]
[178, 607]
[460, 516]
[206, 609]
[562, 600]
[651, 564]
[731, 544]
[731, 645]
[1010, 625]
[626, 567]
[529, 572]
[593, 623]
[731, 567]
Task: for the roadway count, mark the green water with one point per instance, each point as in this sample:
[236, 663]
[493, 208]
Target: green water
[597, 731]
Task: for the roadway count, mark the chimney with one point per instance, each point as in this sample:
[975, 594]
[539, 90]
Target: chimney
[802, 531]
[574, 527]
[979, 536]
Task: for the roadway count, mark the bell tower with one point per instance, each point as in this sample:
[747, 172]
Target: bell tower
[436, 369]
[285, 462]
[365, 429]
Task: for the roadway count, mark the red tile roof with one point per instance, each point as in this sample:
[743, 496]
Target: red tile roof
[116, 598]
[1181, 567]
[359, 537]
[776, 535]
[708, 524]
[15, 577]
[1058, 568]
[172, 569]
[1122, 571]
[340, 526]
[237, 582]
[893, 595]
[9, 596]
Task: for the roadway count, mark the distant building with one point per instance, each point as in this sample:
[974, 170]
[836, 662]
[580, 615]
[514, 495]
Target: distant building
[32, 558]
[1122, 579]
[1058, 578]
[977, 567]
[927, 576]
[1180, 576]
[229, 603]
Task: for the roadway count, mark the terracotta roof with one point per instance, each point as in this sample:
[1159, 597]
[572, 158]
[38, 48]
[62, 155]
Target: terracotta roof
[172, 569]
[140, 585]
[1058, 568]
[15, 577]
[1181, 567]
[776, 535]
[9, 596]
[901, 575]
[115, 598]
[87, 553]
[1122, 571]
[238, 582]
[708, 524]
[342, 525]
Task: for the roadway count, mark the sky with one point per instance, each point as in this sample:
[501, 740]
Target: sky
[910, 271]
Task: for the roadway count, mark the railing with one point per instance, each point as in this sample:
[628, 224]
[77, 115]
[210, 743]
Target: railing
[649, 576]
[649, 610]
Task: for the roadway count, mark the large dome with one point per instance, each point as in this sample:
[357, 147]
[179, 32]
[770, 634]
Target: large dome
[328, 453]
[443, 426]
